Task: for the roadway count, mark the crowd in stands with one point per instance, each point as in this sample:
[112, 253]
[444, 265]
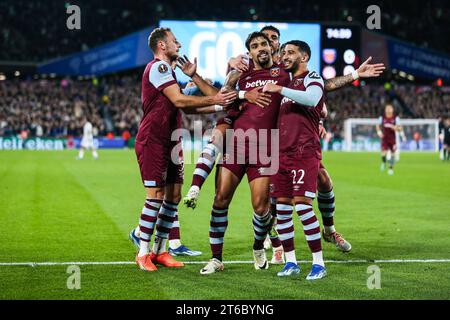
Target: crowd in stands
[36, 30]
[58, 107]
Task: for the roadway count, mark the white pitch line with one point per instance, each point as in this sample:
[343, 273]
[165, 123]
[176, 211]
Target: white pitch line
[36, 264]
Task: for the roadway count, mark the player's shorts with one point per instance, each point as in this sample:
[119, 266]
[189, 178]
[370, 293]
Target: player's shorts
[228, 120]
[87, 143]
[388, 145]
[295, 178]
[157, 168]
[253, 169]
[447, 141]
[321, 166]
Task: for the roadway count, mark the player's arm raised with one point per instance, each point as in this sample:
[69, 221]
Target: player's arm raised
[161, 77]
[190, 69]
[365, 70]
[310, 97]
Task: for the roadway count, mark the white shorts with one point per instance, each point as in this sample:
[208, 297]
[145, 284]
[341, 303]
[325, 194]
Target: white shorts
[87, 143]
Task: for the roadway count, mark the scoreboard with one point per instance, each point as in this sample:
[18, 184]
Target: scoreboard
[341, 47]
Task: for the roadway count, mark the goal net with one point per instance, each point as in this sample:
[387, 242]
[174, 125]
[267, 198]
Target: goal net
[421, 135]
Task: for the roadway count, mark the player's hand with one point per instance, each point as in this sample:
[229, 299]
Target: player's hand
[187, 66]
[367, 70]
[225, 98]
[322, 131]
[270, 87]
[238, 63]
[256, 96]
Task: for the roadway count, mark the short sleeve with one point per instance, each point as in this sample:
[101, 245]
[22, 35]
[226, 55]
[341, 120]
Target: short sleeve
[380, 120]
[313, 78]
[160, 75]
[397, 121]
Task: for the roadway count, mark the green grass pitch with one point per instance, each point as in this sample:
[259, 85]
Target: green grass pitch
[56, 209]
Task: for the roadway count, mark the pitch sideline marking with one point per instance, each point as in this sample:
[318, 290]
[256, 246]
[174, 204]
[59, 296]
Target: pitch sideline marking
[36, 264]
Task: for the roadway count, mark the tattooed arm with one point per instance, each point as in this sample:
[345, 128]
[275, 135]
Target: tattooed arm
[365, 70]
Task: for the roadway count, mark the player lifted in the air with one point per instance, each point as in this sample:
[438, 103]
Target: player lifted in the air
[388, 125]
[160, 159]
[87, 141]
[241, 159]
[295, 184]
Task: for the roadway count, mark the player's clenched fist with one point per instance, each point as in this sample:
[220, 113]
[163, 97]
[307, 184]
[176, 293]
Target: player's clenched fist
[224, 99]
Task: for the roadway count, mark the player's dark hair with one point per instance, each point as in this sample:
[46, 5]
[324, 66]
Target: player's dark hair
[157, 35]
[301, 45]
[271, 28]
[254, 35]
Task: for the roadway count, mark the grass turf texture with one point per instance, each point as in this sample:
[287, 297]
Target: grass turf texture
[54, 208]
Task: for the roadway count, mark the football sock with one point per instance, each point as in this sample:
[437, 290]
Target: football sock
[95, 154]
[318, 258]
[326, 208]
[383, 159]
[391, 162]
[81, 154]
[205, 164]
[273, 235]
[147, 224]
[311, 226]
[175, 231]
[217, 229]
[164, 223]
[261, 226]
[285, 227]
[290, 256]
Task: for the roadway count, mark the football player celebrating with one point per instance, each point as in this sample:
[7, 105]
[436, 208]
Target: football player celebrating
[161, 175]
[295, 184]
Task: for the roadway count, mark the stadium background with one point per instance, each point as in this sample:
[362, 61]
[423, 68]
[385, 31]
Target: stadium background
[50, 77]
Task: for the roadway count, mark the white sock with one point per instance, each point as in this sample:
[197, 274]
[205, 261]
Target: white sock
[159, 246]
[277, 248]
[144, 248]
[329, 229]
[95, 154]
[81, 154]
[174, 243]
[290, 256]
[318, 258]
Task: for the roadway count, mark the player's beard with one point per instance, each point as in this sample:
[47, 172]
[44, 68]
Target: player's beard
[264, 62]
[293, 68]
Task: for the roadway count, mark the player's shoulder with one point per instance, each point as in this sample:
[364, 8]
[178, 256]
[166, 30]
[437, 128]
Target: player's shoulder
[313, 77]
[159, 67]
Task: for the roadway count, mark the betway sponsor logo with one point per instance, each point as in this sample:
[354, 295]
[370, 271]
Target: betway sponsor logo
[259, 83]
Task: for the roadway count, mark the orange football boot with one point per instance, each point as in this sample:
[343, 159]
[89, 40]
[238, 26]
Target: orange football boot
[145, 263]
[166, 260]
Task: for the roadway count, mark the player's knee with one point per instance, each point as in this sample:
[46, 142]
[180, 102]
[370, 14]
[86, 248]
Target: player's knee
[155, 193]
[260, 206]
[221, 200]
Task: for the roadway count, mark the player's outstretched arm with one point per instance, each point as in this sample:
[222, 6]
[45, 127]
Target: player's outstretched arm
[310, 97]
[365, 70]
[182, 101]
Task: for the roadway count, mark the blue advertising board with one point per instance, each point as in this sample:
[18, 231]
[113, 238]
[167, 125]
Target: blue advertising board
[124, 53]
[418, 61]
[213, 43]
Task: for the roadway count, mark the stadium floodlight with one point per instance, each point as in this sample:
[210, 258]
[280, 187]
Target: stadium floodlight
[421, 135]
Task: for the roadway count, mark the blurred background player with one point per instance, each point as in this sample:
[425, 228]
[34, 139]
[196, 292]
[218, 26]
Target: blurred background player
[446, 139]
[388, 125]
[295, 184]
[87, 141]
[399, 138]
